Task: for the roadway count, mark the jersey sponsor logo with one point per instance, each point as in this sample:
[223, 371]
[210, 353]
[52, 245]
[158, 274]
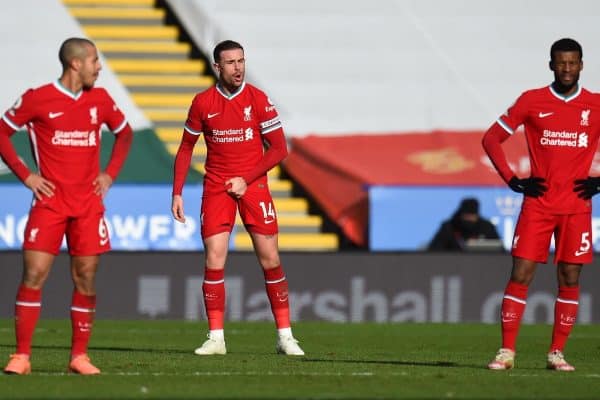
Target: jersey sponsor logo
[74, 138]
[92, 139]
[227, 136]
[209, 116]
[33, 234]
[545, 114]
[248, 113]
[585, 117]
[582, 141]
[53, 115]
[564, 138]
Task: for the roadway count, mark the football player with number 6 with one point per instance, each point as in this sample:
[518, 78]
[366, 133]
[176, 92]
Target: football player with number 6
[64, 120]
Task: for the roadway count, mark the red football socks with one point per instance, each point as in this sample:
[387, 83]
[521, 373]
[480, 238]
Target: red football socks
[513, 307]
[213, 289]
[83, 309]
[277, 291]
[565, 314]
[27, 313]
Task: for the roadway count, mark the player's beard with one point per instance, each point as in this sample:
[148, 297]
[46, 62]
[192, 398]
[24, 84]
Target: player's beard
[562, 87]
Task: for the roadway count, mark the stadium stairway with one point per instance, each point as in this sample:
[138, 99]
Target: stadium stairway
[162, 77]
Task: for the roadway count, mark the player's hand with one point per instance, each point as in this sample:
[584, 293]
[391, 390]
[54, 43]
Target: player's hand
[102, 183]
[177, 208]
[39, 185]
[532, 186]
[236, 186]
[588, 187]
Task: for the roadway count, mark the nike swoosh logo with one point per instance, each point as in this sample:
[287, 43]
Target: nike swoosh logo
[269, 222]
[579, 253]
[212, 115]
[507, 320]
[103, 241]
[562, 323]
[52, 115]
[544, 115]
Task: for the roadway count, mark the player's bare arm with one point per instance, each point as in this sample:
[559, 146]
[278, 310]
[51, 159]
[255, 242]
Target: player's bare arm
[177, 208]
[39, 185]
[236, 186]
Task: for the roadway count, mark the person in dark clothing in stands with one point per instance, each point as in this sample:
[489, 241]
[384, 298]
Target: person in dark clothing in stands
[466, 224]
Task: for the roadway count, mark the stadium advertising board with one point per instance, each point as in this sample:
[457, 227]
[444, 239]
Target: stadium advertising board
[405, 218]
[138, 217]
[351, 287]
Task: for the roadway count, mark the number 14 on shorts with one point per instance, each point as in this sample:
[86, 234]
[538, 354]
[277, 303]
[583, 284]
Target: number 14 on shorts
[268, 211]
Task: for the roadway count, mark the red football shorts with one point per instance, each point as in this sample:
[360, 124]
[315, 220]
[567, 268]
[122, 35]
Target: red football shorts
[256, 209]
[572, 235]
[86, 235]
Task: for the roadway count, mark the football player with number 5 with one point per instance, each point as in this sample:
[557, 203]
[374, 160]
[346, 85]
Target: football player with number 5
[562, 127]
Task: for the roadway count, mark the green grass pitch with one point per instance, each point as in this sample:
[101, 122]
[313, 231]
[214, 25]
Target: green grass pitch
[154, 359]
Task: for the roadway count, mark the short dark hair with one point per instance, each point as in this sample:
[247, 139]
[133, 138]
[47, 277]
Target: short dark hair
[73, 48]
[225, 45]
[565, 44]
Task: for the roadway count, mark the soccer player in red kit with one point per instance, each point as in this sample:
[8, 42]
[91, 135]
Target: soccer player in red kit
[64, 120]
[237, 120]
[562, 126]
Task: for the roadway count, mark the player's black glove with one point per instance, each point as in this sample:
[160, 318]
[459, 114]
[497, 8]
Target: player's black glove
[532, 186]
[586, 188]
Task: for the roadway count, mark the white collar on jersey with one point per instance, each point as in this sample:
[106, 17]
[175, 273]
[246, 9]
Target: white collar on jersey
[566, 99]
[231, 96]
[66, 91]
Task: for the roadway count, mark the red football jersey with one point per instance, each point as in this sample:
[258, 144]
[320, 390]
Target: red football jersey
[562, 138]
[233, 127]
[65, 131]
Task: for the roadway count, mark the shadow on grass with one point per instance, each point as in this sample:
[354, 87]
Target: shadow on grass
[389, 362]
[103, 348]
[443, 364]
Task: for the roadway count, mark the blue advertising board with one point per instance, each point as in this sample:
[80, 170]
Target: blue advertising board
[405, 218]
[138, 217]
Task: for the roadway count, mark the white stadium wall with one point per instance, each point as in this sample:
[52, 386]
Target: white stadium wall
[31, 32]
[344, 66]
